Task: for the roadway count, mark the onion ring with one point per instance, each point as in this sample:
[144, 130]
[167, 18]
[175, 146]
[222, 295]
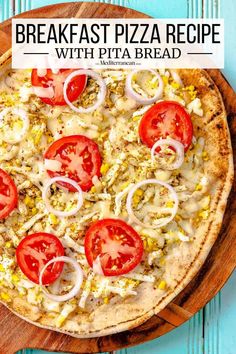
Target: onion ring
[58, 212]
[24, 117]
[79, 279]
[137, 97]
[162, 222]
[179, 151]
[101, 95]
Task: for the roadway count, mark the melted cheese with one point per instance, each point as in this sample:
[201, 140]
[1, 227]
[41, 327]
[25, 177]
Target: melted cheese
[126, 161]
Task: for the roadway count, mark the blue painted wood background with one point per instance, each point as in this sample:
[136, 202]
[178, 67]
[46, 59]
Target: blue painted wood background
[211, 330]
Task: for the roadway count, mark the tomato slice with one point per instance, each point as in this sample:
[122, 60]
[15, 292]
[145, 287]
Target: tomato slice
[34, 251]
[8, 194]
[166, 118]
[118, 245]
[74, 90]
[80, 158]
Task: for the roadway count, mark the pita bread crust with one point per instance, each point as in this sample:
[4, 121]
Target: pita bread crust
[181, 266]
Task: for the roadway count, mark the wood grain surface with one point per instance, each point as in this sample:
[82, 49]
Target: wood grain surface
[17, 334]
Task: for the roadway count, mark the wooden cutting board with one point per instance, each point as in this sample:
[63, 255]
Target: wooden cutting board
[16, 334]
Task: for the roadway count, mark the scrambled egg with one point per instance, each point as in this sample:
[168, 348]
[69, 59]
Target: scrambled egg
[126, 161]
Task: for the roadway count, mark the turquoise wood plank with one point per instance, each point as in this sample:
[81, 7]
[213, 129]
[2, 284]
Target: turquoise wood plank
[228, 11]
[195, 8]
[211, 326]
[195, 334]
[174, 342]
[227, 318]
[1, 11]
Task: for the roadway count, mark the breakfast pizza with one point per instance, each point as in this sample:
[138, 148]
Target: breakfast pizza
[113, 185]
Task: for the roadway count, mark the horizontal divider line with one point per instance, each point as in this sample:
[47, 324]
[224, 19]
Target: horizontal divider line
[200, 53]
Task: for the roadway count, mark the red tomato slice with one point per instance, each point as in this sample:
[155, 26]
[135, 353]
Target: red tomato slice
[8, 195]
[166, 118]
[118, 245]
[34, 251]
[80, 158]
[74, 90]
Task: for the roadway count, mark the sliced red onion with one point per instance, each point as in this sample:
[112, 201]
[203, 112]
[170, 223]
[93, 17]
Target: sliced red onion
[101, 94]
[164, 220]
[137, 97]
[24, 117]
[176, 77]
[65, 180]
[179, 149]
[78, 281]
[97, 267]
